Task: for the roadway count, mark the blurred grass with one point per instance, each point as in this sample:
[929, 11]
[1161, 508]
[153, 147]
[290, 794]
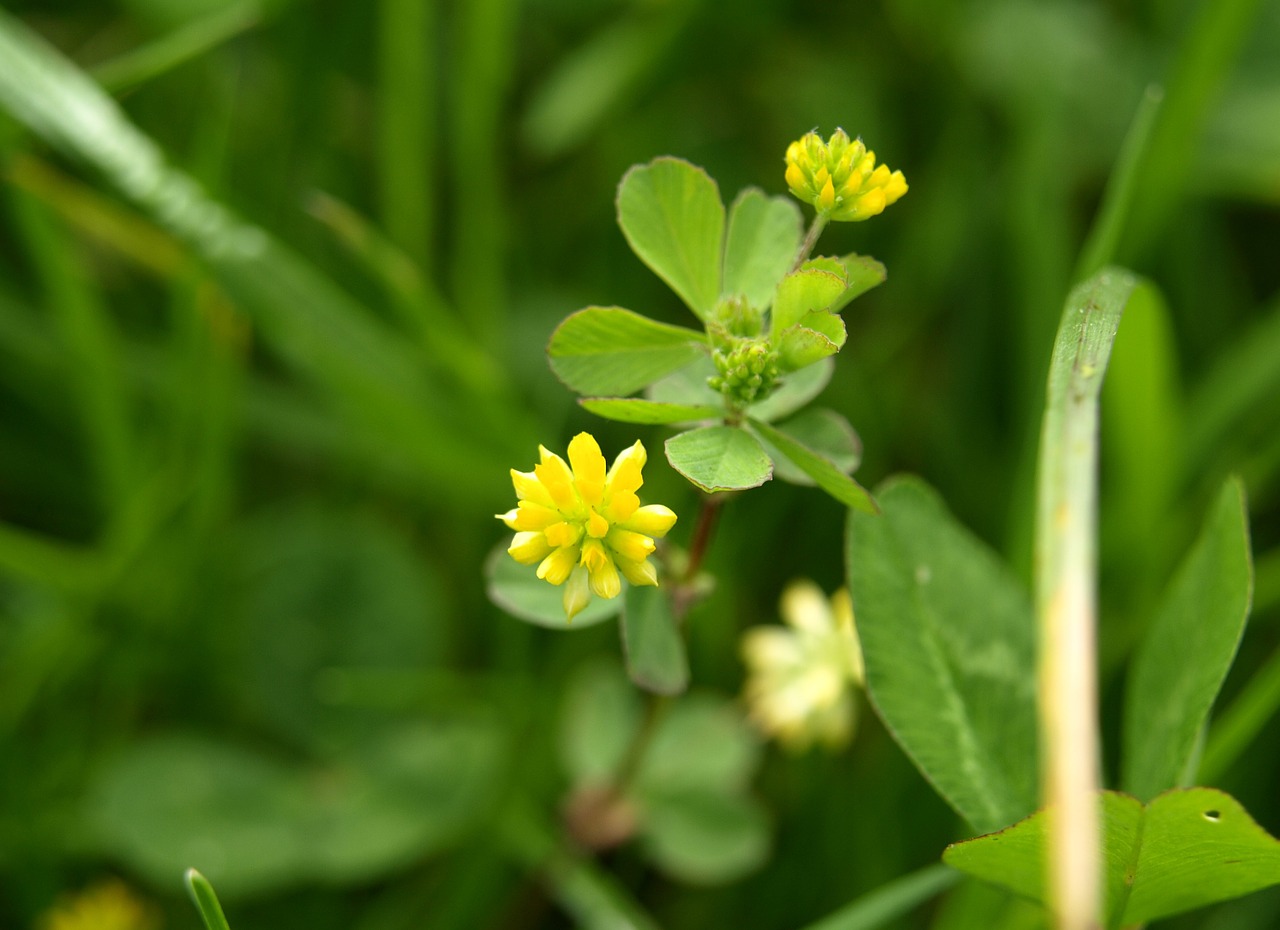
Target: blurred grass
[272, 318]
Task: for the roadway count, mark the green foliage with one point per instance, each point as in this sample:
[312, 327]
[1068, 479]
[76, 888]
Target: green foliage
[608, 350]
[760, 245]
[651, 642]
[1187, 651]
[719, 458]
[206, 901]
[258, 824]
[696, 817]
[518, 591]
[947, 639]
[1183, 850]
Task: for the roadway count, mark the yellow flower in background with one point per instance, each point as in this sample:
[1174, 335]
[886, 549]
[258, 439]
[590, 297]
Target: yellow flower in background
[586, 526]
[840, 177]
[802, 677]
[109, 905]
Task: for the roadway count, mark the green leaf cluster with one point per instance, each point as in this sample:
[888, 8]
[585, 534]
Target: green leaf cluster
[695, 817]
[771, 321]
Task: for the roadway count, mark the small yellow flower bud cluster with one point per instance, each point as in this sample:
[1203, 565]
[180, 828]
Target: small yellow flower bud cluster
[585, 526]
[746, 371]
[840, 177]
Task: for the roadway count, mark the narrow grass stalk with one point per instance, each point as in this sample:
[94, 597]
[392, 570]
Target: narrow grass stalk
[1066, 594]
[891, 901]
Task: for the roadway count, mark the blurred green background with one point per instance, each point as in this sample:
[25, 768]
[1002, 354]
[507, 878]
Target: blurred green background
[272, 333]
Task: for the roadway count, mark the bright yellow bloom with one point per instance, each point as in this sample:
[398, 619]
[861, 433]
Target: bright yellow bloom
[840, 177]
[586, 526]
[109, 905]
[801, 682]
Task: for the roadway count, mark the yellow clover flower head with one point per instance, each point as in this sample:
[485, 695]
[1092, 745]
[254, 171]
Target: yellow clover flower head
[840, 177]
[801, 679]
[585, 526]
[109, 905]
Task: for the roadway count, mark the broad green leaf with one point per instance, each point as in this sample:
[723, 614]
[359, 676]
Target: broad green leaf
[796, 390]
[652, 641]
[823, 432]
[760, 246]
[803, 292]
[706, 837]
[859, 273]
[800, 347]
[608, 350]
[255, 824]
[864, 273]
[702, 744]
[829, 324]
[637, 410]
[687, 386]
[947, 637]
[601, 714]
[1186, 849]
[719, 458]
[671, 214]
[1182, 662]
[519, 591]
[205, 900]
[823, 471]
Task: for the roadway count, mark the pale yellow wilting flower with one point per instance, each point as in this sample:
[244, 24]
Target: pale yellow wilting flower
[586, 526]
[802, 677]
[108, 905]
[840, 177]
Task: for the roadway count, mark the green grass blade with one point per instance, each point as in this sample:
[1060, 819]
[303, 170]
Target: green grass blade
[92, 354]
[1213, 38]
[185, 43]
[206, 901]
[408, 62]
[1066, 587]
[1240, 723]
[1101, 245]
[896, 899]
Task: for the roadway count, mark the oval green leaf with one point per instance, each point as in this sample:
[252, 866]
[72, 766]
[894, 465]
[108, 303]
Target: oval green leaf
[719, 458]
[760, 247]
[1186, 849]
[647, 412]
[947, 637]
[801, 293]
[671, 214]
[609, 350]
[520, 592]
[652, 642]
[1182, 662]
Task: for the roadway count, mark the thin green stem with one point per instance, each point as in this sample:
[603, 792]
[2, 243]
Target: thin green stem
[1241, 722]
[810, 240]
[1066, 594]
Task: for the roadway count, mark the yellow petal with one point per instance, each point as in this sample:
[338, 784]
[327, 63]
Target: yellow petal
[555, 476]
[529, 488]
[625, 474]
[826, 197]
[577, 595]
[895, 187]
[640, 573]
[593, 555]
[795, 180]
[588, 467]
[651, 520]
[527, 548]
[629, 545]
[879, 177]
[805, 607]
[563, 534]
[869, 204]
[556, 567]
[509, 518]
[531, 516]
[597, 526]
[605, 581]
